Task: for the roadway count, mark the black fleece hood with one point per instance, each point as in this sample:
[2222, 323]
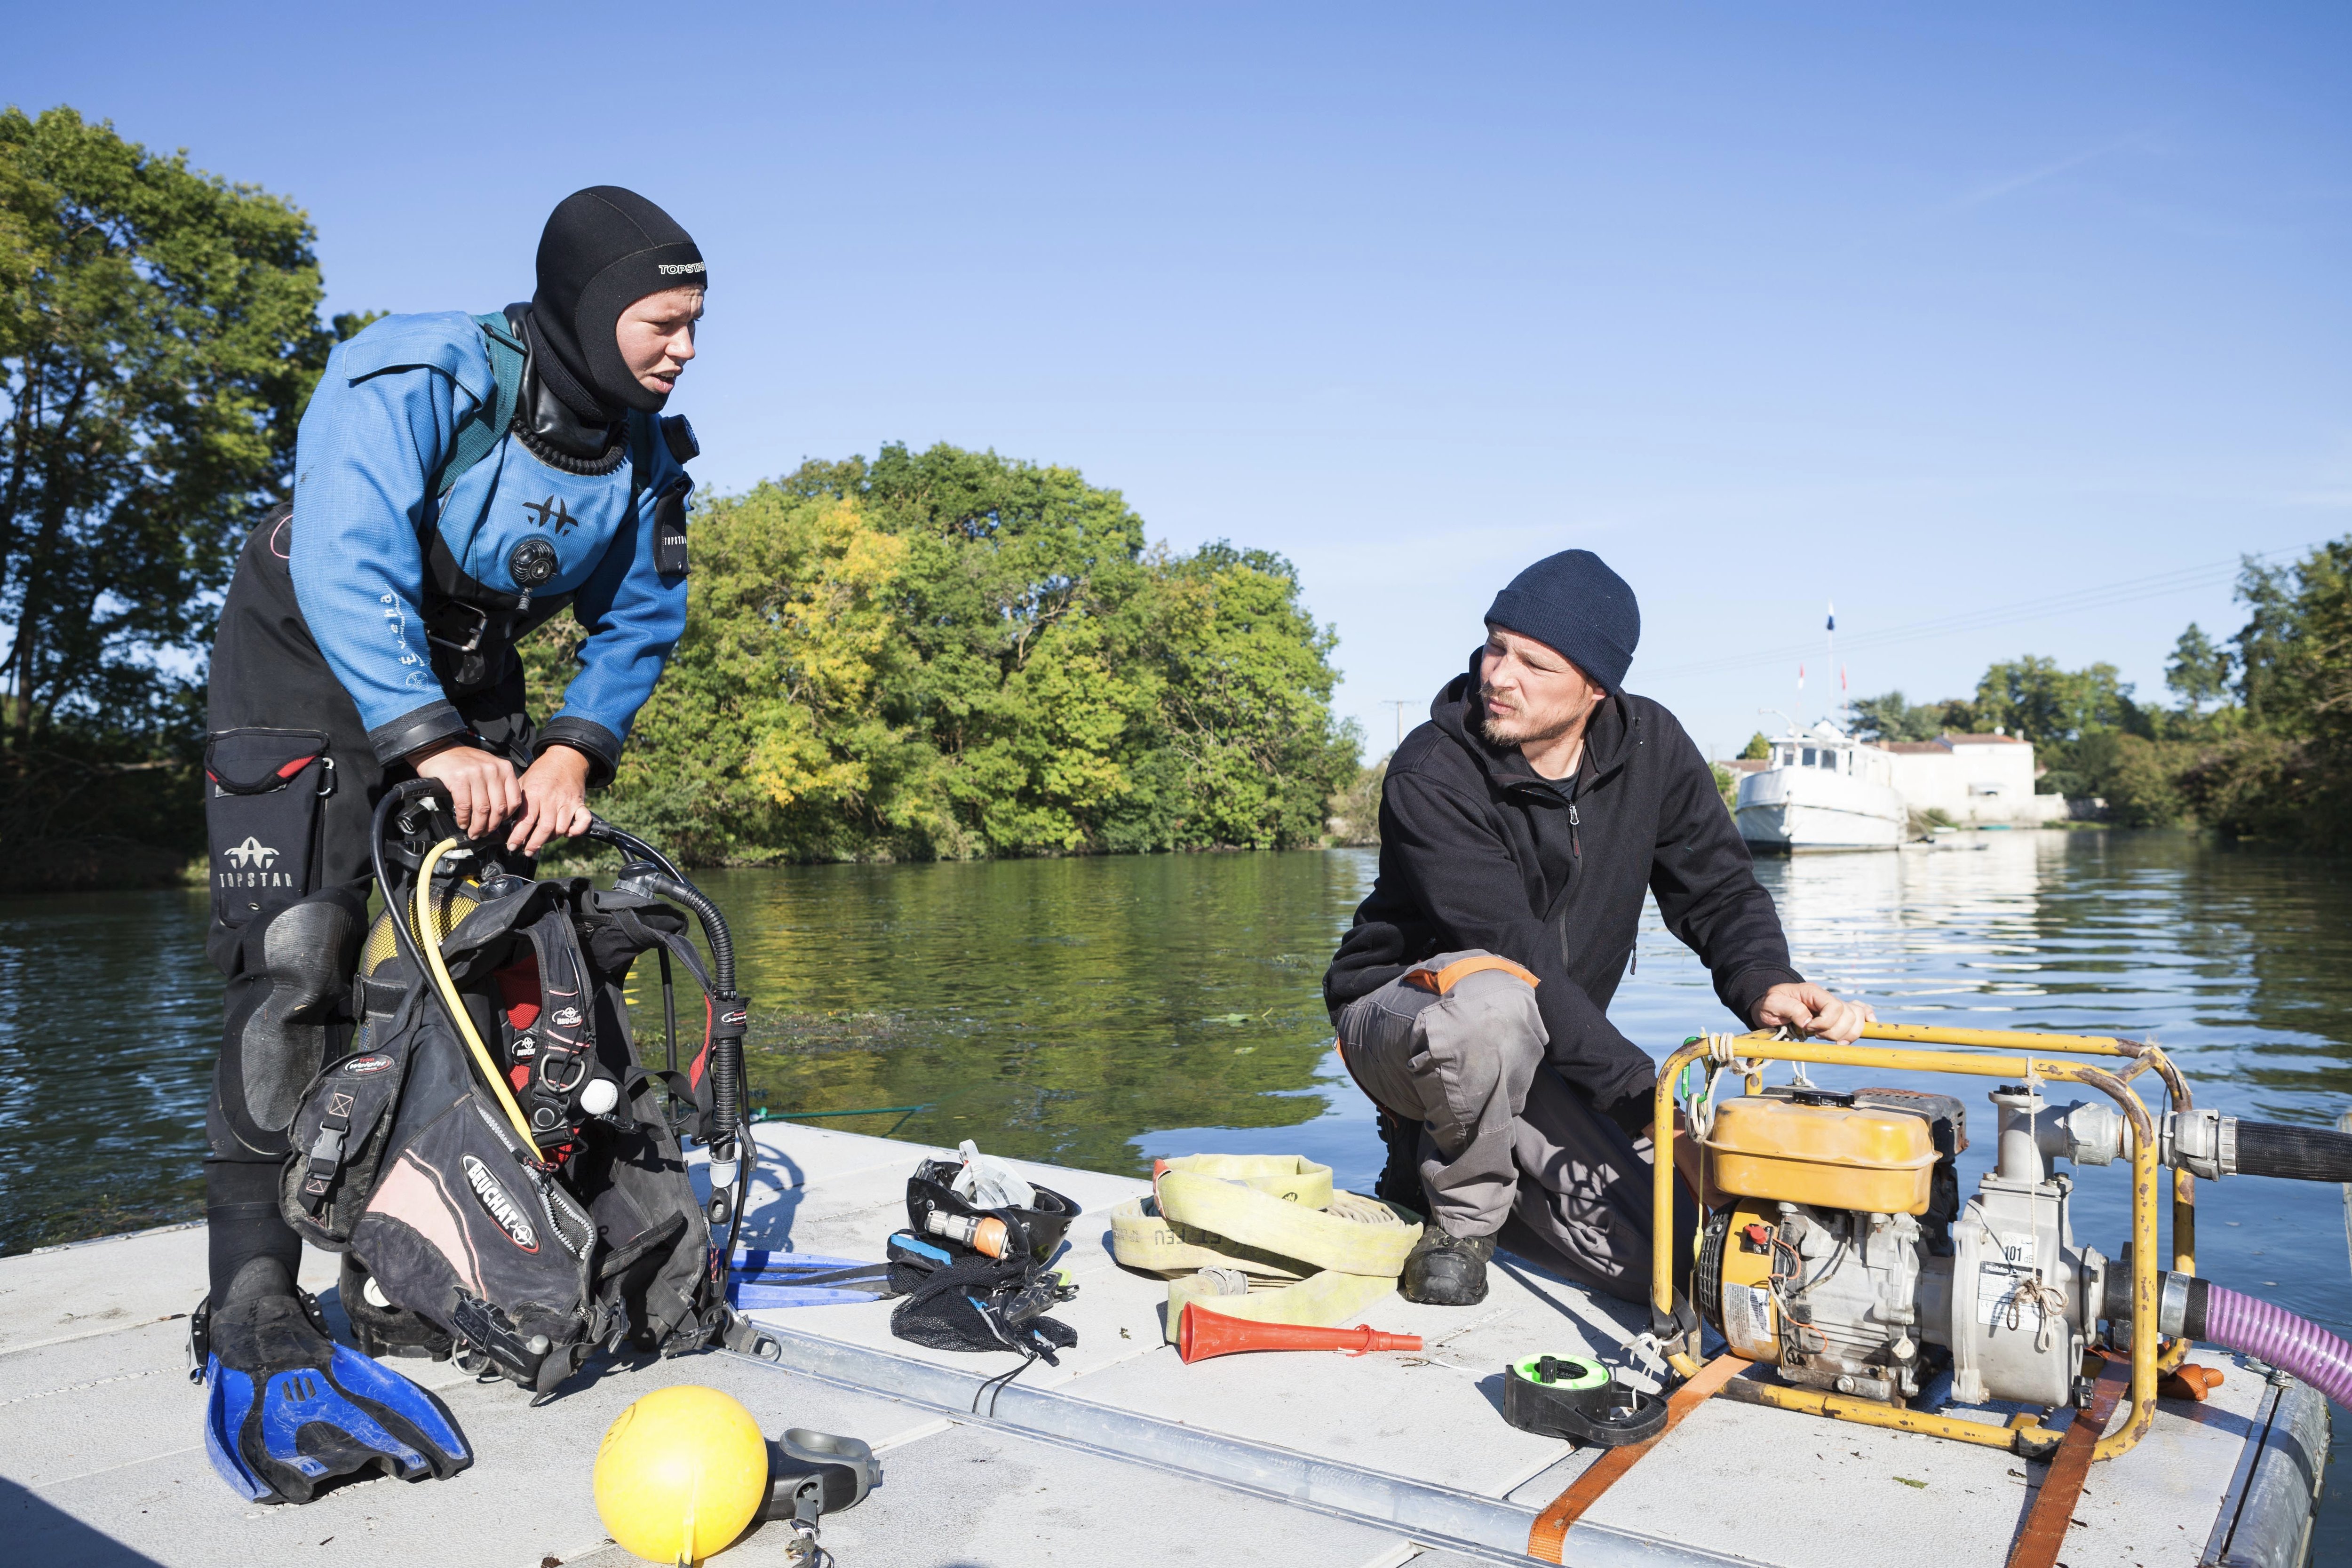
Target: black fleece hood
[604, 249]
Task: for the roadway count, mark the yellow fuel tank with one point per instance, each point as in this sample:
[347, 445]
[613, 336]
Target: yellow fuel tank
[1831, 1156]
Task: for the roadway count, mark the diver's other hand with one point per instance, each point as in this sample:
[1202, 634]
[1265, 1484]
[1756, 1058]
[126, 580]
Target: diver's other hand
[555, 799]
[1805, 1007]
[482, 789]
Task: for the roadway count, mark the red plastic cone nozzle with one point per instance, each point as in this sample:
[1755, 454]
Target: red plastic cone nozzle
[1202, 1334]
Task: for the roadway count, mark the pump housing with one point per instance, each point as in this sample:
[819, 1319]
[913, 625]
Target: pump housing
[1845, 1257]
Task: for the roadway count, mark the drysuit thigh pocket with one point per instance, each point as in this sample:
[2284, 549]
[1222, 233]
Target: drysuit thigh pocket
[262, 789]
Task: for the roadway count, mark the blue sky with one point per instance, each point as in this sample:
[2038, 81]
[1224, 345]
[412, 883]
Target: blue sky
[1931, 312]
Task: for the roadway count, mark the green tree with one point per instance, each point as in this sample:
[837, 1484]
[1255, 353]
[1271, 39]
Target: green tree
[2273, 648]
[951, 654]
[1244, 700]
[2198, 671]
[2035, 700]
[1889, 717]
[1356, 809]
[159, 333]
[1758, 748]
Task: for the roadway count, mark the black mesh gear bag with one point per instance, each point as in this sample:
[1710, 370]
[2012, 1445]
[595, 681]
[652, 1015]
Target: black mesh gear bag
[959, 1299]
[975, 1302]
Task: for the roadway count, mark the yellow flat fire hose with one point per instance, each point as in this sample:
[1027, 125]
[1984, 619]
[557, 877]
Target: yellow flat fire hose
[1312, 1255]
[1293, 1178]
[1142, 1236]
[428, 931]
[1361, 1237]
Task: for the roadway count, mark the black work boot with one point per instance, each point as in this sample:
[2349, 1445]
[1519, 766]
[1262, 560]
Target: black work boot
[1444, 1270]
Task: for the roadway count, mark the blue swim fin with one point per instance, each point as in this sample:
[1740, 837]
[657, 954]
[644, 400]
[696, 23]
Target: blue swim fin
[288, 1408]
[764, 1280]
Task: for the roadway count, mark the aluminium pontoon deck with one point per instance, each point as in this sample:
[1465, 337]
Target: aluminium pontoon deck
[1120, 1455]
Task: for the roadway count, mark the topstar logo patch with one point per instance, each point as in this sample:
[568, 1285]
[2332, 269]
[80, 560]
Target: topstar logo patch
[498, 1206]
[248, 866]
[673, 269]
[251, 853]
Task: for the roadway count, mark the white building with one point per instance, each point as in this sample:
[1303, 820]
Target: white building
[1978, 779]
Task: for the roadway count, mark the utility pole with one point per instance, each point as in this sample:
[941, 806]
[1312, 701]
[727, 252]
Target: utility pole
[1399, 704]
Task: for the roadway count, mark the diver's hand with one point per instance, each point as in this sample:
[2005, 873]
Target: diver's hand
[482, 790]
[1807, 1007]
[555, 799]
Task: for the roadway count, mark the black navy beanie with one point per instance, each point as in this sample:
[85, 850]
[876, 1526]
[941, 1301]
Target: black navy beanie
[1572, 603]
[604, 249]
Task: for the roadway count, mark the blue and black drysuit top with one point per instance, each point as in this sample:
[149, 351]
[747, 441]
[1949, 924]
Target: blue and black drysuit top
[371, 447]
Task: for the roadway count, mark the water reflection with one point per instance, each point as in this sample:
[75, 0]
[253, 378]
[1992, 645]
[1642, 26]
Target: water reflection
[109, 1021]
[1100, 1012]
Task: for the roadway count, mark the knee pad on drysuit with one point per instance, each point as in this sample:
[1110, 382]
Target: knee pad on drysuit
[288, 996]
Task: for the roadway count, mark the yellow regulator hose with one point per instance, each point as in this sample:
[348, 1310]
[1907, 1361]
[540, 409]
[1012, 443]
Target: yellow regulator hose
[428, 928]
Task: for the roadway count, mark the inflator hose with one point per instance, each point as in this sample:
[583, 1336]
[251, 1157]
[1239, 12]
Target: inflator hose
[2300, 1154]
[714, 926]
[2279, 1337]
[726, 1046]
[727, 1119]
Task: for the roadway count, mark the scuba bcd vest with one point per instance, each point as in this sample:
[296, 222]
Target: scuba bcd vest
[492, 1150]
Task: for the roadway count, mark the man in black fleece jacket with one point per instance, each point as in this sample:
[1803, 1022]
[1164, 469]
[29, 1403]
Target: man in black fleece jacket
[1519, 829]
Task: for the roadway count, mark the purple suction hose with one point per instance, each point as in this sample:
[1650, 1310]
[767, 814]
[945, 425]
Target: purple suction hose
[2277, 1336]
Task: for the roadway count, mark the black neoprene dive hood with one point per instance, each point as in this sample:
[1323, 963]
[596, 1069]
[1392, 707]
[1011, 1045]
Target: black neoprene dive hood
[604, 249]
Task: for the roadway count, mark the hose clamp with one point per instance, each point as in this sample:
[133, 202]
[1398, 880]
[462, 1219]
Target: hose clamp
[2173, 1304]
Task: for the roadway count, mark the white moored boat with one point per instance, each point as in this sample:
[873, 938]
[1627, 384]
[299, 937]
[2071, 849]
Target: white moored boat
[1821, 789]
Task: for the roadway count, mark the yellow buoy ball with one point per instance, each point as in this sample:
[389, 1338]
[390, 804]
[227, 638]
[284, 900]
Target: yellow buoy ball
[680, 1474]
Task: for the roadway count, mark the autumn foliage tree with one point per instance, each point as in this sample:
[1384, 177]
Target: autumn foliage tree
[951, 654]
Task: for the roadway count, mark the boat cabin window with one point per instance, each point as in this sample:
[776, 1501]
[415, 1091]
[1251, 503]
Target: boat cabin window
[1809, 756]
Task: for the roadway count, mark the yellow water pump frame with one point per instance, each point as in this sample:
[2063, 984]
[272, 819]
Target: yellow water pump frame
[2149, 1360]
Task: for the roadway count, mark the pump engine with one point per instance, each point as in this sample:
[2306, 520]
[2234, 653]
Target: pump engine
[1845, 1257]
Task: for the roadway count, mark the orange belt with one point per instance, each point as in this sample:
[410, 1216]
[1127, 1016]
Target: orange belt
[1550, 1533]
[1443, 981]
[2044, 1530]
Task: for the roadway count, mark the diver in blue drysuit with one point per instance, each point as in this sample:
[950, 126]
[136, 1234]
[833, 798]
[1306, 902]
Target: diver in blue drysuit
[369, 637]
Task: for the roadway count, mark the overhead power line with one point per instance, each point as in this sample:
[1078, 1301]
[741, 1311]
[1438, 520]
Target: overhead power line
[2180, 580]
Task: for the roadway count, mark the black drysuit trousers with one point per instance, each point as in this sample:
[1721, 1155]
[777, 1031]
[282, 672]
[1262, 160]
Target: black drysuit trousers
[290, 791]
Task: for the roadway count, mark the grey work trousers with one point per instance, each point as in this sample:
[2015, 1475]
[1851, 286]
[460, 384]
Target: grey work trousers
[1508, 1148]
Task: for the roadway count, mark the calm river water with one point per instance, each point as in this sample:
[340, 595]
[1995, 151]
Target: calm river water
[1100, 1012]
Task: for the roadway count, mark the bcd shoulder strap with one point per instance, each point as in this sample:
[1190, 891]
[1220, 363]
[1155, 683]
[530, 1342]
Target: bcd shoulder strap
[479, 434]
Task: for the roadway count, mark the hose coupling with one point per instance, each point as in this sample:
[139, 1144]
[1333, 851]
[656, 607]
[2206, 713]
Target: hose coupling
[2202, 1142]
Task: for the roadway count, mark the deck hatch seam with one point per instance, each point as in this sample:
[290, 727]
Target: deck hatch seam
[1489, 1528]
[2242, 1480]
